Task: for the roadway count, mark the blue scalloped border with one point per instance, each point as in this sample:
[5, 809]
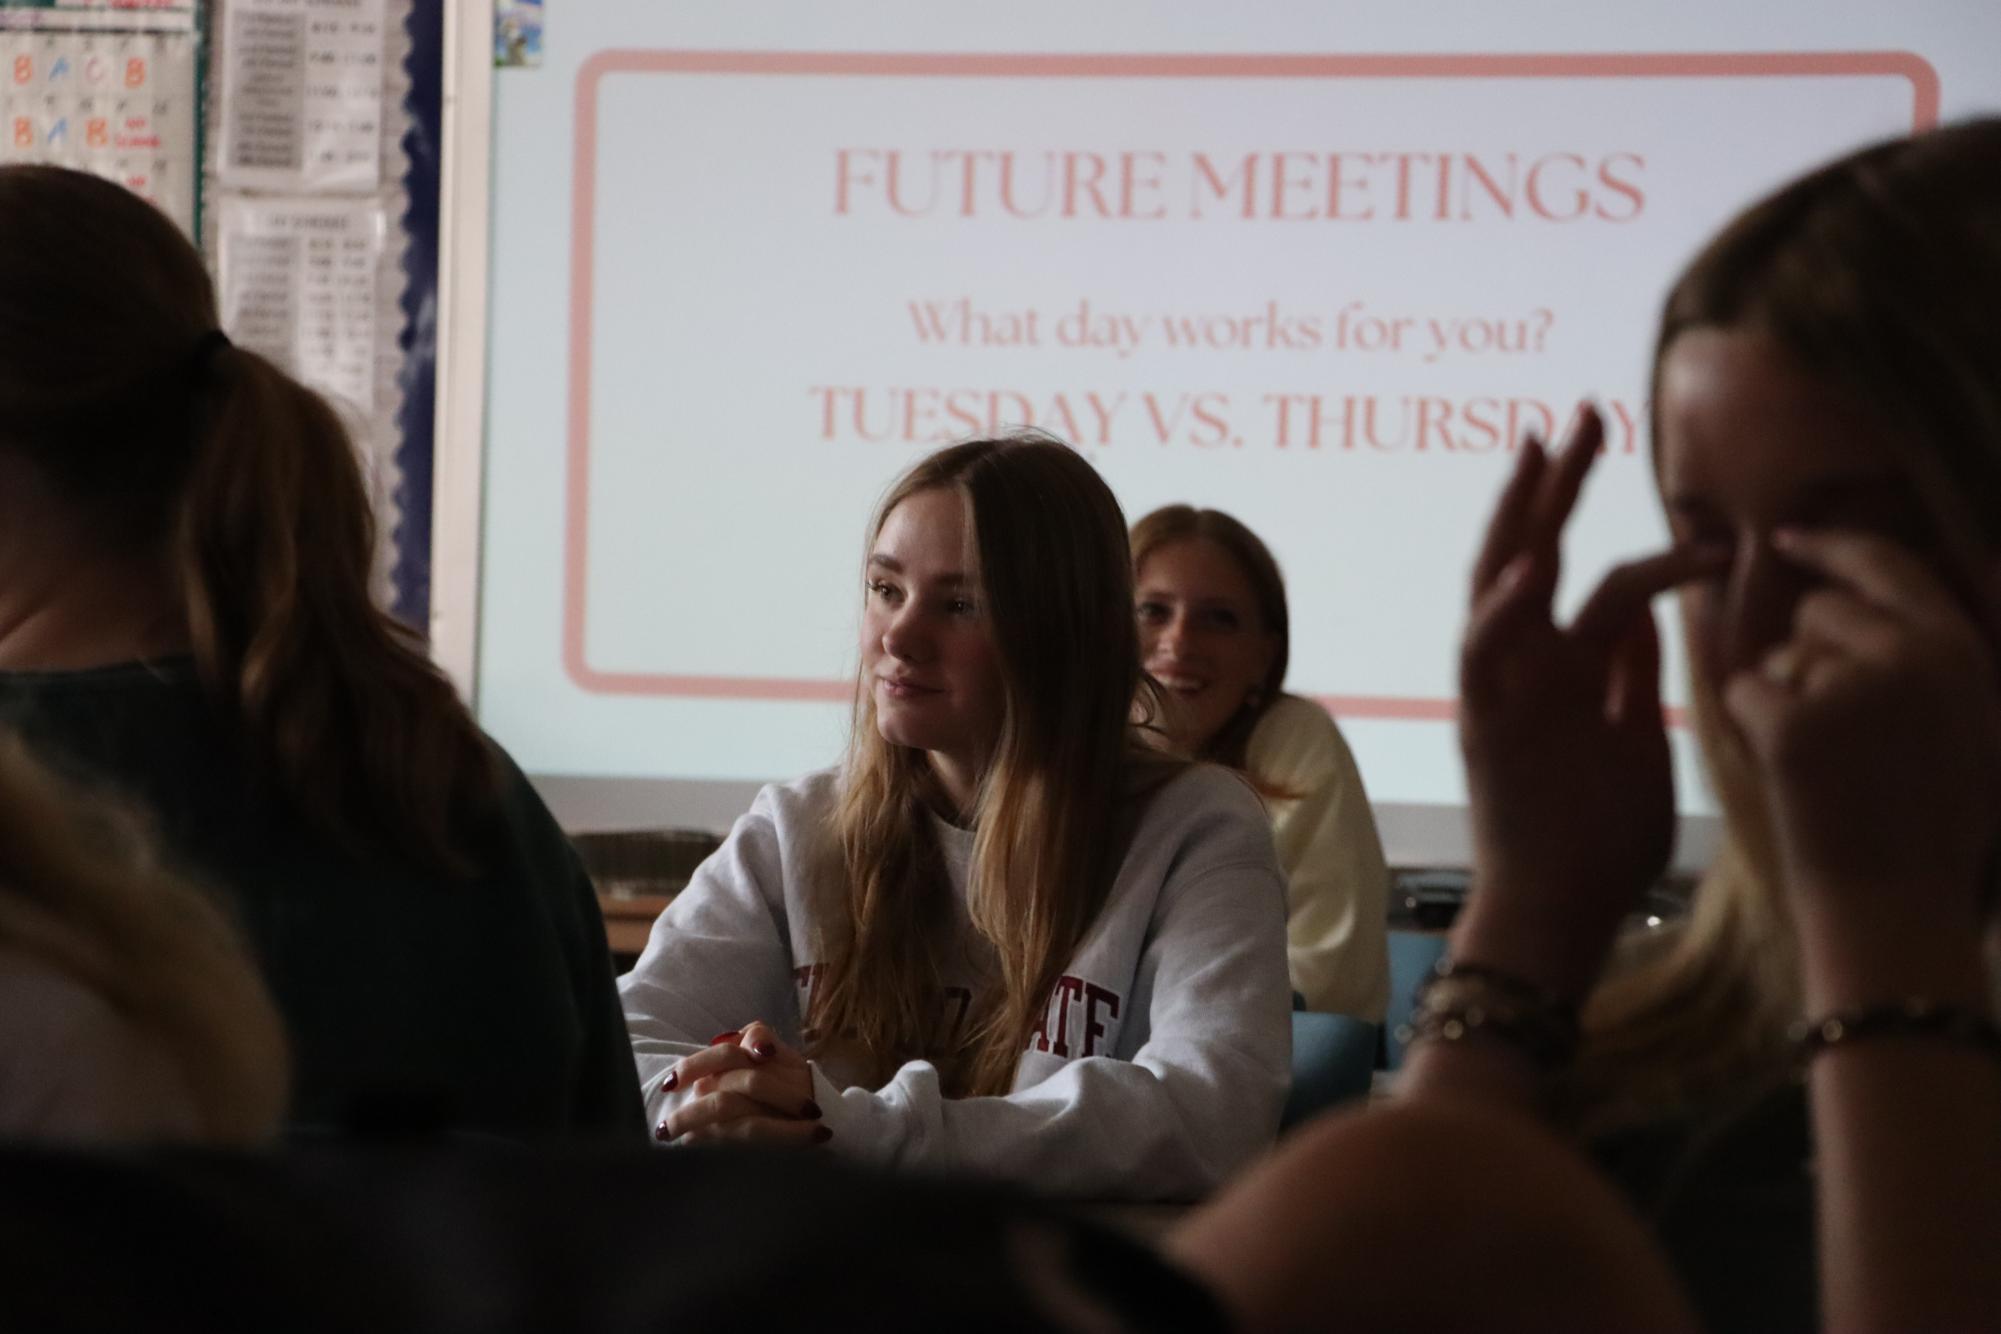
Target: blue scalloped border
[418, 338]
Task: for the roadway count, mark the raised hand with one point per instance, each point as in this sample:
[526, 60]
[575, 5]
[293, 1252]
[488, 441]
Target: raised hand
[1566, 754]
[1877, 726]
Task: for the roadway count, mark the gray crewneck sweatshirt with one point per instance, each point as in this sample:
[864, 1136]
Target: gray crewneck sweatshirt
[1164, 1053]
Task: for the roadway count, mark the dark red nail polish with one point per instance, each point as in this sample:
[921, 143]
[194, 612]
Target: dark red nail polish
[760, 1049]
[821, 1134]
[667, 1084]
[811, 1111]
[720, 1038]
[660, 1133]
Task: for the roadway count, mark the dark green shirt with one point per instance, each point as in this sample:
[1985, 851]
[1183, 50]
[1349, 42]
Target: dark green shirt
[413, 1003]
[1729, 1195]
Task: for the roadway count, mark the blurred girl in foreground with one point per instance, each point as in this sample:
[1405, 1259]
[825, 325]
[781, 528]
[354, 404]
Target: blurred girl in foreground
[1827, 440]
[129, 1010]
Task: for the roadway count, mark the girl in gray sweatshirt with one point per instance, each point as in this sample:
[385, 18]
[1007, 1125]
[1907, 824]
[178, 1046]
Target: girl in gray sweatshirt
[1008, 936]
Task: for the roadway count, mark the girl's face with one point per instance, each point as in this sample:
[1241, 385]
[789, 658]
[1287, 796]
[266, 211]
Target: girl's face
[1750, 443]
[1201, 635]
[927, 648]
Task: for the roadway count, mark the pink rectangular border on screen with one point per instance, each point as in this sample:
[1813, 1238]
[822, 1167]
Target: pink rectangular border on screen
[1897, 64]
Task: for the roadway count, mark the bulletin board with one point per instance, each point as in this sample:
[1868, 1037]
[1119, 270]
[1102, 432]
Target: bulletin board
[306, 195]
[273, 132]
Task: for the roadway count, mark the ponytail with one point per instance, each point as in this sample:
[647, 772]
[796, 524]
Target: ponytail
[335, 699]
[116, 384]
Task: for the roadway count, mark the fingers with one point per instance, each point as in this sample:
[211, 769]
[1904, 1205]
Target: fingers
[721, 1055]
[1884, 603]
[738, 1049]
[1519, 599]
[1634, 698]
[1830, 621]
[1607, 615]
[1878, 602]
[773, 1131]
[1790, 681]
[1876, 569]
[761, 1040]
[1759, 702]
[1838, 642]
[728, 1082]
[1557, 495]
[707, 1110]
[1881, 608]
[781, 1092]
[719, 1108]
[1523, 541]
[1536, 503]
[1505, 530]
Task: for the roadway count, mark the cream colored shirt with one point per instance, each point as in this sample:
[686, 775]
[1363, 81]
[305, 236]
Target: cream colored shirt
[1337, 883]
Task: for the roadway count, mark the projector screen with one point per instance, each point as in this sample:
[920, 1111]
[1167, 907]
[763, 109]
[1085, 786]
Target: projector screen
[1318, 266]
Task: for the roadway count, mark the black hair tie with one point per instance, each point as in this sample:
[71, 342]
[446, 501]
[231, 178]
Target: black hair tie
[206, 349]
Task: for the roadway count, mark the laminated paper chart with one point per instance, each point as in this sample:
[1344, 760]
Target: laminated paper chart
[302, 85]
[302, 287]
[306, 172]
[302, 220]
[112, 91]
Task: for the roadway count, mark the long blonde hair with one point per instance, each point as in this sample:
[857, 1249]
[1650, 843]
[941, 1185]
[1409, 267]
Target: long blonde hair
[82, 892]
[1879, 273]
[1054, 806]
[115, 386]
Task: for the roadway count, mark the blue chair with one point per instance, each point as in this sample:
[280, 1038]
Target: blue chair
[1333, 1061]
[1412, 955]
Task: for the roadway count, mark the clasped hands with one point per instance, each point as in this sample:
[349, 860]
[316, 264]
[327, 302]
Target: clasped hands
[746, 1086]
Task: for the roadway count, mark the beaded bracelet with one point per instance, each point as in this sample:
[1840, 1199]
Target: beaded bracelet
[1517, 988]
[1464, 1001]
[1914, 1017]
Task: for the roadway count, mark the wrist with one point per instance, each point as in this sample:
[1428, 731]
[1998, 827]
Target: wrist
[1486, 1073]
[1560, 953]
[1846, 963]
